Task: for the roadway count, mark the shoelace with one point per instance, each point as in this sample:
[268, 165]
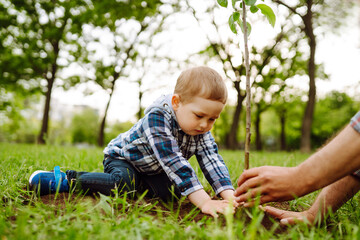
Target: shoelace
[58, 183]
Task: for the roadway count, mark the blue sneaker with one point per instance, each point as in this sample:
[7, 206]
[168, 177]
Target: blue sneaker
[46, 182]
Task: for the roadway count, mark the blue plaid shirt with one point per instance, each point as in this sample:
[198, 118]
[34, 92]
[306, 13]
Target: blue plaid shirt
[355, 123]
[156, 144]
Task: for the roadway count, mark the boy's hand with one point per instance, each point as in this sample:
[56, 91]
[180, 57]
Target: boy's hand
[208, 206]
[212, 207]
[229, 195]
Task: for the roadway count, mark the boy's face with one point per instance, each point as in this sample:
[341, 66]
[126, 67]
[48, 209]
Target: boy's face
[198, 115]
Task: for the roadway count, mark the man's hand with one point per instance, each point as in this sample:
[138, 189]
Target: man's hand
[289, 217]
[270, 183]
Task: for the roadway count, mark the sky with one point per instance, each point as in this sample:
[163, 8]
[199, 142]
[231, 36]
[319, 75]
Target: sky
[339, 53]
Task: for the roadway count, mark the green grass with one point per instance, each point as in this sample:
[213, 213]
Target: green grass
[26, 216]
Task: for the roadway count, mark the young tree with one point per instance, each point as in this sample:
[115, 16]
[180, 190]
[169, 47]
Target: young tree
[235, 21]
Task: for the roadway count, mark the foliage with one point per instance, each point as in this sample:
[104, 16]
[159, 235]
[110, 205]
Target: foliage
[39, 38]
[84, 127]
[332, 113]
[114, 129]
[23, 215]
[17, 119]
[235, 20]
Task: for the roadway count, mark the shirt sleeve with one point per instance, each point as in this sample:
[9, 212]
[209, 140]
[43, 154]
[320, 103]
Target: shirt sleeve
[355, 123]
[212, 164]
[157, 130]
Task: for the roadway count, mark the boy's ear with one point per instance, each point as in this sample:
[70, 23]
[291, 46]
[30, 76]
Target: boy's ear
[175, 101]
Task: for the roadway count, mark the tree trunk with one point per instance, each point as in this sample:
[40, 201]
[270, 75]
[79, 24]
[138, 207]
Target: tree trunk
[45, 120]
[258, 141]
[231, 141]
[282, 116]
[101, 136]
[140, 112]
[309, 111]
[248, 89]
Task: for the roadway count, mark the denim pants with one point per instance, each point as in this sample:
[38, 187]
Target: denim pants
[121, 175]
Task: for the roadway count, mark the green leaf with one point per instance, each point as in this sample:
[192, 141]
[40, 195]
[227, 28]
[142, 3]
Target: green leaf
[250, 2]
[254, 9]
[268, 12]
[242, 27]
[232, 21]
[223, 3]
[234, 2]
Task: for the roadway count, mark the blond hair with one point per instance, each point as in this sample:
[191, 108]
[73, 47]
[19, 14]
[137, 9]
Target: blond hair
[202, 82]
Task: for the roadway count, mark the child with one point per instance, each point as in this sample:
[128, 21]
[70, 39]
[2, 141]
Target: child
[153, 155]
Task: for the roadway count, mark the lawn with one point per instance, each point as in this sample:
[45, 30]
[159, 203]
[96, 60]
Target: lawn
[72, 216]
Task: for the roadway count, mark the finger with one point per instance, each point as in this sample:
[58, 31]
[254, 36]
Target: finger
[211, 212]
[250, 173]
[266, 199]
[244, 187]
[275, 212]
[214, 214]
[291, 221]
[250, 195]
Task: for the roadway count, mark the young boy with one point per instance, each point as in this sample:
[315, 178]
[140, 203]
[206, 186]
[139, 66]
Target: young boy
[153, 155]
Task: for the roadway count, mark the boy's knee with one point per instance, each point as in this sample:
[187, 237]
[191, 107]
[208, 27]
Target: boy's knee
[126, 180]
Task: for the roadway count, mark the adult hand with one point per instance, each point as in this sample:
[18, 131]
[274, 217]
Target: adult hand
[289, 217]
[270, 183]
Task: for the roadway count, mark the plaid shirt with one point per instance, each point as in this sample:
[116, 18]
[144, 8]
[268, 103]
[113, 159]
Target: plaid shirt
[355, 123]
[156, 143]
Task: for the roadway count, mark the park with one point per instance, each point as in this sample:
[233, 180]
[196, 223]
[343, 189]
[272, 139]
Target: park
[76, 74]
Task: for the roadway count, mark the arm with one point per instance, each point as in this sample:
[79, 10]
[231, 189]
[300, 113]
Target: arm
[337, 159]
[331, 198]
[157, 131]
[212, 164]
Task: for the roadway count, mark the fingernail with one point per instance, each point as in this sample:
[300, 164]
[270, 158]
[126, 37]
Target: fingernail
[284, 221]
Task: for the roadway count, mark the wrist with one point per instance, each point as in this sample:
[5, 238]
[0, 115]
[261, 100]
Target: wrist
[227, 194]
[303, 180]
[199, 198]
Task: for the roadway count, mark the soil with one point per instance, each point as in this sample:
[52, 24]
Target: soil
[186, 207]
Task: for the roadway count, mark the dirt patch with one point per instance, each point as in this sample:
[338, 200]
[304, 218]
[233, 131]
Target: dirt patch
[185, 209]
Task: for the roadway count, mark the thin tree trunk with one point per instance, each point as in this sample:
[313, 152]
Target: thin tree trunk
[231, 141]
[141, 110]
[45, 120]
[258, 141]
[101, 136]
[309, 111]
[248, 91]
[282, 116]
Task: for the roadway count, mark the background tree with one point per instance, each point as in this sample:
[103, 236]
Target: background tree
[313, 14]
[125, 39]
[33, 37]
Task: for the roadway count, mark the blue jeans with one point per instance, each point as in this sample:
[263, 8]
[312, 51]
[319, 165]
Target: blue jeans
[121, 175]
